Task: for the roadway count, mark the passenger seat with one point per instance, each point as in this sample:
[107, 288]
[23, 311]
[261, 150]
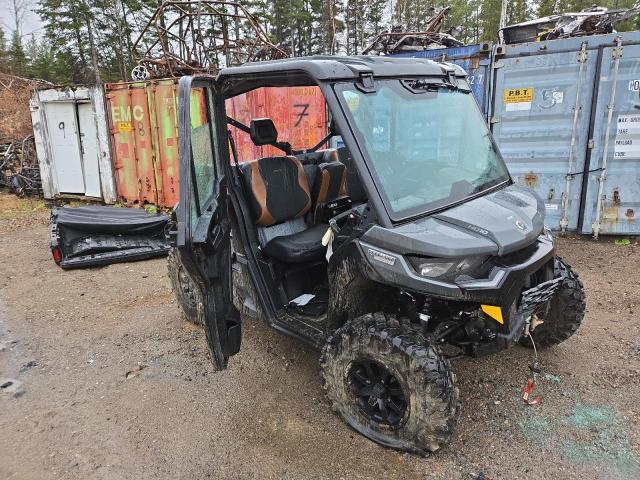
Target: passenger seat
[279, 197]
[327, 176]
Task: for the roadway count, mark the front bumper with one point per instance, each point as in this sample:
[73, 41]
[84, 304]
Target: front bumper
[530, 300]
[502, 286]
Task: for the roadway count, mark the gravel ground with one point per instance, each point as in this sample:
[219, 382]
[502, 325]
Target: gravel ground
[110, 382]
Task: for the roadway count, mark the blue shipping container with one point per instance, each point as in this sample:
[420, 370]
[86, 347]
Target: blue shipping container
[474, 59]
[612, 194]
[549, 114]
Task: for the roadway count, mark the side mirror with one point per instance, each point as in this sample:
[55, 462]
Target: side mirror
[263, 132]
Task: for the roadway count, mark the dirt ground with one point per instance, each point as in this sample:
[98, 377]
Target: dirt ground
[110, 382]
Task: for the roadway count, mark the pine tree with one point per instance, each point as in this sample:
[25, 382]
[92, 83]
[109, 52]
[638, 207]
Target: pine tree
[463, 20]
[490, 19]
[374, 19]
[517, 12]
[17, 58]
[4, 66]
[546, 8]
[355, 15]
[327, 26]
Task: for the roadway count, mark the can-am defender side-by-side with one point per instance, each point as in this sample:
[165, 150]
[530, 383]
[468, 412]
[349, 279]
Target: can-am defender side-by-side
[409, 240]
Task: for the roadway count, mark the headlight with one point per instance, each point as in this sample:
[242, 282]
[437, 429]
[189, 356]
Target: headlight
[445, 268]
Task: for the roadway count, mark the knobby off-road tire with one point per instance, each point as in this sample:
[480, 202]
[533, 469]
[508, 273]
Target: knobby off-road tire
[243, 289]
[242, 284]
[565, 312]
[183, 287]
[424, 375]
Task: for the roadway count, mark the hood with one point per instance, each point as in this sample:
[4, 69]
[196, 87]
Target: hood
[495, 224]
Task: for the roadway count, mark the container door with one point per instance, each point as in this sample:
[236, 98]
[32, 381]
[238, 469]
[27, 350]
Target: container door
[89, 149]
[541, 121]
[203, 227]
[123, 142]
[163, 106]
[612, 199]
[65, 146]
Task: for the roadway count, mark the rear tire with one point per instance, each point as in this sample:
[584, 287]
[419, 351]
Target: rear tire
[410, 402]
[245, 297]
[183, 287]
[565, 312]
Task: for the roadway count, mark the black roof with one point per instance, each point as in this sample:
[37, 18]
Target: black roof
[342, 67]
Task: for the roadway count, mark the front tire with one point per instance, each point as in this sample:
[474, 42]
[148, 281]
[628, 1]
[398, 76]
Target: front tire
[565, 313]
[184, 288]
[390, 384]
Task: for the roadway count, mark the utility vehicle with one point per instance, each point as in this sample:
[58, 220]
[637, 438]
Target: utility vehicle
[407, 241]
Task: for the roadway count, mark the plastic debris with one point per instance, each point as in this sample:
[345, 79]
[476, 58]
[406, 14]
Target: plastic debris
[135, 372]
[527, 391]
[622, 241]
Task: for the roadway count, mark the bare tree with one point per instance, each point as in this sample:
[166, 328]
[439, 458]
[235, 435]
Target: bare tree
[18, 9]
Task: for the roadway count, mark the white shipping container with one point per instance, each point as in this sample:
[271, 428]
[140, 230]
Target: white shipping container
[72, 143]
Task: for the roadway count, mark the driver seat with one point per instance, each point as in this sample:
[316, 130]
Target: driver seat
[279, 197]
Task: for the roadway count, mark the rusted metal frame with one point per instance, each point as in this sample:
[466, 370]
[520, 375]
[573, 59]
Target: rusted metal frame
[616, 55]
[191, 29]
[225, 37]
[236, 30]
[232, 48]
[436, 22]
[160, 31]
[199, 25]
[246, 15]
[213, 13]
[398, 43]
[404, 35]
[564, 220]
[258, 29]
[164, 49]
[141, 36]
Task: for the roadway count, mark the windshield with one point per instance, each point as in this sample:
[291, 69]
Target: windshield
[427, 146]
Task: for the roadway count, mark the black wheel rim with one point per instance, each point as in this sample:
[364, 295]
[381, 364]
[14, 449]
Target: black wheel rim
[378, 393]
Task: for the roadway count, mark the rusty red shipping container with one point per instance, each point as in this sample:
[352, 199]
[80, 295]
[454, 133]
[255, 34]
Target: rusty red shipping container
[299, 114]
[144, 133]
[144, 140]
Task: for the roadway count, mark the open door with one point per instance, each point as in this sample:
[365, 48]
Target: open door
[203, 226]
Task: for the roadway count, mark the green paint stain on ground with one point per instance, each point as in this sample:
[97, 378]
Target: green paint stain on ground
[608, 443]
[585, 416]
[588, 436]
[536, 428]
[552, 378]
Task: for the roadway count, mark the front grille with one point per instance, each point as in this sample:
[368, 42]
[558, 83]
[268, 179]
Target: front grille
[517, 257]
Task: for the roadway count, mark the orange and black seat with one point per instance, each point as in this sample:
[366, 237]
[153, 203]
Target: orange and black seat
[329, 184]
[279, 197]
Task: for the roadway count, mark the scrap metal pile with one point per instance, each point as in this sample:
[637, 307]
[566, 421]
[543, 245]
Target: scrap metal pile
[398, 40]
[199, 36]
[592, 21]
[19, 170]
